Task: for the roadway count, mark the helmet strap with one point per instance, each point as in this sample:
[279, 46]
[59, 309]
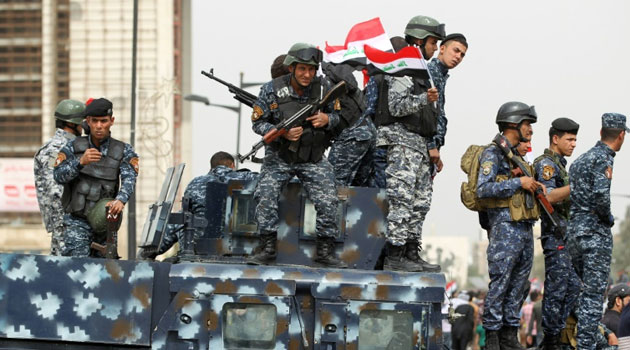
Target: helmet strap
[422, 48]
[518, 129]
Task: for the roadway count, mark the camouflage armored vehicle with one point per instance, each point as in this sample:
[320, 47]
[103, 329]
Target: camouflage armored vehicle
[213, 300]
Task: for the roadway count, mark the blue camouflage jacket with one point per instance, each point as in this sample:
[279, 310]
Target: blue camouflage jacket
[549, 170]
[440, 75]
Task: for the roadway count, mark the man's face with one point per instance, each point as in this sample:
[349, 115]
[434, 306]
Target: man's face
[526, 130]
[565, 144]
[99, 126]
[452, 53]
[303, 73]
[430, 46]
[524, 147]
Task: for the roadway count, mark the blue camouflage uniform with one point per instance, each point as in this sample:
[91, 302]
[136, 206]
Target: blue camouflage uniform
[48, 191]
[439, 73]
[378, 155]
[78, 234]
[589, 237]
[317, 178]
[511, 245]
[408, 171]
[196, 191]
[562, 285]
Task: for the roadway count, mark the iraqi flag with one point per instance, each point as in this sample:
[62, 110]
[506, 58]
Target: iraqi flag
[406, 62]
[370, 32]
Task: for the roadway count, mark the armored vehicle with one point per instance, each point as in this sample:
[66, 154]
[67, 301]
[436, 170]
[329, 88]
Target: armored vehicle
[211, 299]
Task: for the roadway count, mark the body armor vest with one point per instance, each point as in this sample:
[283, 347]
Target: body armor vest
[312, 144]
[562, 207]
[423, 122]
[95, 181]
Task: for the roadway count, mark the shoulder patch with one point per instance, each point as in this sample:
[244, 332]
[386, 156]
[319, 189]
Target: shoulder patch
[60, 158]
[609, 173]
[273, 106]
[337, 105]
[486, 167]
[135, 163]
[548, 172]
[258, 112]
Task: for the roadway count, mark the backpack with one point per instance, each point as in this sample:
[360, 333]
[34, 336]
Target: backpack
[470, 165]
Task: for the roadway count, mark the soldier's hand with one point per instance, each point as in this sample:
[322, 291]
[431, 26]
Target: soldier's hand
[434, 155]
[91, 155]
[115, 207]
[612, 339]
[529, 184]
[432, 94]
[318, 120]
[294, 133]
[439, 165]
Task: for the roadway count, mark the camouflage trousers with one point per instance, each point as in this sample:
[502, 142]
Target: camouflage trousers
[350, 161]
[409, 192]
[379, 164]
[562, 285]
[78, 237]
[317, 180]
[57, 245]
[591, 257]
[510, 256]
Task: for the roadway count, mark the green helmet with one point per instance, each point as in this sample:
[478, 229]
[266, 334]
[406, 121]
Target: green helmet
[97, 216]
[303, 53]
[421, 27]
[70, 111]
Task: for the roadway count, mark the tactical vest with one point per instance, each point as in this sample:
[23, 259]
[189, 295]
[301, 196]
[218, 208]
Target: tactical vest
[562, 207]
[423, 122]
[352, 107]
[95, 181]
[313, 143]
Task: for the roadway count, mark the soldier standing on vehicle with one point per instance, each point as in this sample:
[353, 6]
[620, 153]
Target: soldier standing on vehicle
[511, 244]
[93, 168]
[452, 51]
[68, 118]
[589, 237]
[300, 152]
[222, 169]
[562, 285]
[408, 172]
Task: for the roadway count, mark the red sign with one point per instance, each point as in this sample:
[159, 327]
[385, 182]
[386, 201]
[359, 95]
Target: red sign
[17, 185]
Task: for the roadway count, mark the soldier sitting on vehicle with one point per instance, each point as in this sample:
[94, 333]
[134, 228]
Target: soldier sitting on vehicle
[94, 168]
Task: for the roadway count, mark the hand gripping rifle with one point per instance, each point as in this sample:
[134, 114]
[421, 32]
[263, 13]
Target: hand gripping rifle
[110, 249]
[296, 119]
[559, 229]
[240, 95]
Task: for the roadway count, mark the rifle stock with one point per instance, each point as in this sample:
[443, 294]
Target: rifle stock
[296, 119]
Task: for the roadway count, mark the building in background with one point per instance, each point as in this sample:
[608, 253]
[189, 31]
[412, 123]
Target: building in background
[56, 49]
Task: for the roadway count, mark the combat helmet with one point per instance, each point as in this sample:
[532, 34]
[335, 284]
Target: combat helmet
[97, 216]
[515, 113]
[303, 53]
[421, 27]
[70, 111]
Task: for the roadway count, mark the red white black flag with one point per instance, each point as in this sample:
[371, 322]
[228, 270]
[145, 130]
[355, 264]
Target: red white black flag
[406, 62]
[370, 32]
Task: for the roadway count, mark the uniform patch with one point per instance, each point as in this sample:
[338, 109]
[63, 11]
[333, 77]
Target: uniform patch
[337, 105]
[486, 168]
[135, 163]
[273, 106]
[60, 158]
[548, 172]
[609, 173]
[258, 112]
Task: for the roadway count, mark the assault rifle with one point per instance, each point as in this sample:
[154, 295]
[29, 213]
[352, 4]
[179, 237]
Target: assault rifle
[240, 95]
[296, 119]
[559, 229]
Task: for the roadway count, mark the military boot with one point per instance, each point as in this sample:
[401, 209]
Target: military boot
[508, 338]
[412, 252]
[551, 342]
[265, 252]
[395, 260]
[325, 255]
[492, 340]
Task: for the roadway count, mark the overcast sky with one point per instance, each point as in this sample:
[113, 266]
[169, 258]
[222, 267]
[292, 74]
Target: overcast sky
[568, 58]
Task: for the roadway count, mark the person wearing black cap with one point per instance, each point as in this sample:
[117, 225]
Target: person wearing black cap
[618, 298]
[452, 51]
[94, 168]
[562, 284]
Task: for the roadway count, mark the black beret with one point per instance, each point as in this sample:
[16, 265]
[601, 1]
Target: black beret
[456, 36]
[565, 124]
[99, 107]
